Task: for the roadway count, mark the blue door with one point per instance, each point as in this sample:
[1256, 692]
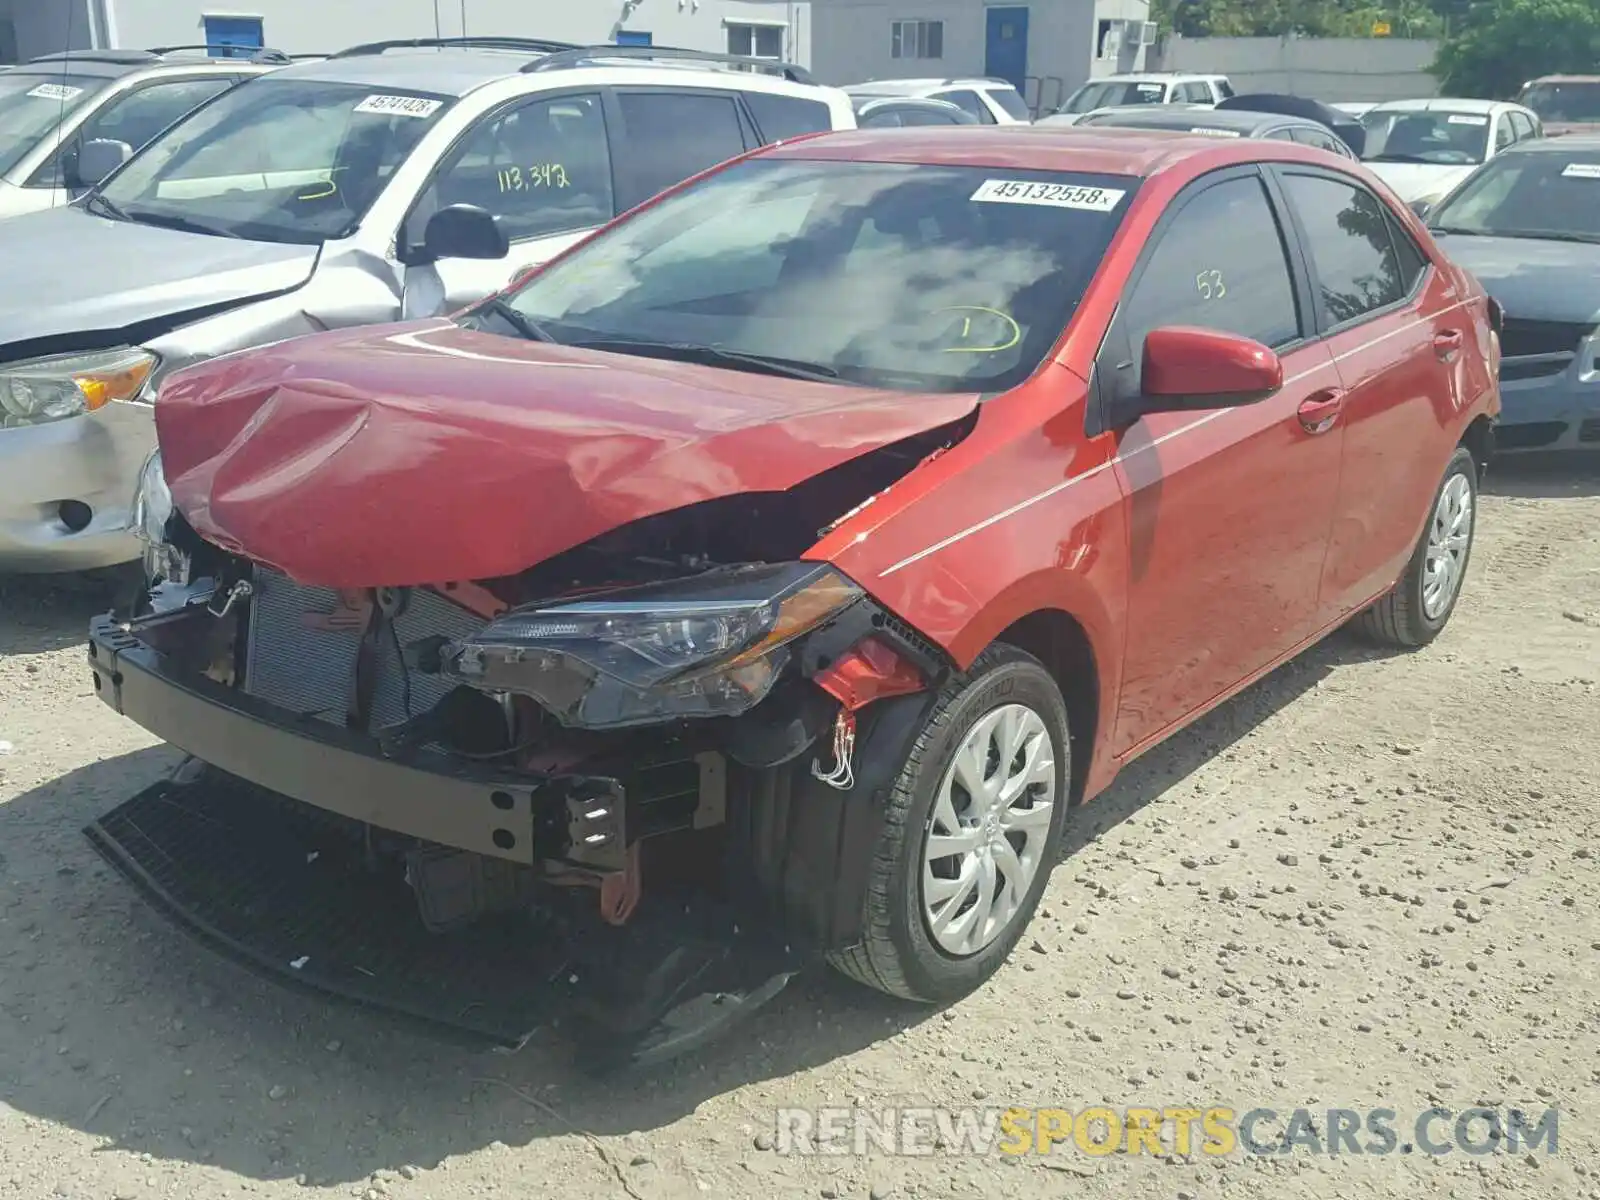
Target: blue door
[241, 32]
[634, 37]
[1005, 47]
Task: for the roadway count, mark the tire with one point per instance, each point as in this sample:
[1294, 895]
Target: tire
[901, 953]
[1408, 617]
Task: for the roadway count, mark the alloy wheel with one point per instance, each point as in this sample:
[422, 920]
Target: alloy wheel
[1449, 539]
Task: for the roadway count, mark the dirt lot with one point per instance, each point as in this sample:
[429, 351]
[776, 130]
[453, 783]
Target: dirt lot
[1368, 882]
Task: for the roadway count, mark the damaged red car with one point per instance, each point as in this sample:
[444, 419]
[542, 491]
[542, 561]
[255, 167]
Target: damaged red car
[763, 580]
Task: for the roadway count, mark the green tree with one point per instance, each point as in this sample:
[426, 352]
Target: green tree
[1308, 18]
[1495, 46]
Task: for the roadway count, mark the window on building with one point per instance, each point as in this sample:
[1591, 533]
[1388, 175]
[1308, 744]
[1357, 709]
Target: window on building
[634, 37]
[1107, 37]
[916, 39]
[755, 41]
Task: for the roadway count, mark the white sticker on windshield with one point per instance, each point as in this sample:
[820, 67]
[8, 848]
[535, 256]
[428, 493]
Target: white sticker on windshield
[399, 106]
[1211, 131]
[55, 91]
[1465, 119]
[1581, 170]
[1150, 89]
[1051, 195]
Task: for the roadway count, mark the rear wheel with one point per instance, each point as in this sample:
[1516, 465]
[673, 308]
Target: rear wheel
[1420, 604]
[972, 829]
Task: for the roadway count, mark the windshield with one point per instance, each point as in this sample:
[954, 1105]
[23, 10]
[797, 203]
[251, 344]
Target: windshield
[1008, 99]
[1528, 195]
[1109, 95]
[1446, 139]
[1576, 101]
[919, 278]
[275, 160]
[31, 105]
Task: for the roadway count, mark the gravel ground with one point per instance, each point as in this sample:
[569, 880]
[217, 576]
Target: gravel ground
[1368, 882]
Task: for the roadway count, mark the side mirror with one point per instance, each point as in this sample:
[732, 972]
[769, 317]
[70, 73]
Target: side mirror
[1189, 368]
[1422, 208]
[464, 231]
[93, 161]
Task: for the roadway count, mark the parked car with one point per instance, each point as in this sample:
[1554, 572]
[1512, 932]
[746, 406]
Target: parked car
[1345, 127]
[393, 180]
[1423, 148]
[1565, 103]
[51, 107]
[987, 101]
[1212, 122]
[793, 626]
[1150, 87]
[877, 112]
[1527, 224]
[1355, 108]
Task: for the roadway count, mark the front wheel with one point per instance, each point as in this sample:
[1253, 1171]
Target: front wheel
[1419, 606]
[972, 829]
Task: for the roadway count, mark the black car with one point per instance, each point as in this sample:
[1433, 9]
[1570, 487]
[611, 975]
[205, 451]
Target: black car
[876, 112]
[1217, 122]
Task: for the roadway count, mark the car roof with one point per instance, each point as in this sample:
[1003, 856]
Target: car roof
[114, 64]
[1443, 104]
[1566, 79]
[912, 87]
[1153, 77]
[1183, 117]
[1583, 143]
[862, 101]
[1093, 150]
[456, 69]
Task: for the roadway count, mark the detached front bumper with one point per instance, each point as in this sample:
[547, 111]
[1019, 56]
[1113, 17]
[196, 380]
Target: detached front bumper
[66, 487]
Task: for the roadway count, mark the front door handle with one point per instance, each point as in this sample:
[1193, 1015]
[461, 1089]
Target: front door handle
[1318, 413]
[1446, 344]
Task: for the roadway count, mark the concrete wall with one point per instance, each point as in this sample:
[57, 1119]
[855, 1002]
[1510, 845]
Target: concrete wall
[29, 28]
[314, 26]
[851, 40]
[1327, 69]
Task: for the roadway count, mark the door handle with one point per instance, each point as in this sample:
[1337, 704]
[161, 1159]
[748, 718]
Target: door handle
[1318, 413]
[1446, 344]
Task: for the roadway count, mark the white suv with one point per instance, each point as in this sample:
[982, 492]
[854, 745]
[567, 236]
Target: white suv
[1153, 87]
[987, 101]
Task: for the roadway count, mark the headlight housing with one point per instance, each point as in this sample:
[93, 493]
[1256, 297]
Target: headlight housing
[711, 645]
[152, 508]
[70, 385]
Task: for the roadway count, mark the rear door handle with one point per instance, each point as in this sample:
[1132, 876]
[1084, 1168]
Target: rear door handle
[1318, 413]
[1446, 344]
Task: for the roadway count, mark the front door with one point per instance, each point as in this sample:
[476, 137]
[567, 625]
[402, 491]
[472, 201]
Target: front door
[1005, 48]
[1404, 350]
[1228, 509]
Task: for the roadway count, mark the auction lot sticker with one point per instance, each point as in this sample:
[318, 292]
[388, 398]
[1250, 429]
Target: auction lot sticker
[55, 91]
[399, 106]
[1051, 195]
[1581, 170]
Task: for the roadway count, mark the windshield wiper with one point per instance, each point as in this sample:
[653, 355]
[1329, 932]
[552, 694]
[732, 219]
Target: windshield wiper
[174, 221]
[106, 208]
[1402, 158]
[529, 329]
[1455, 229]
[713, 356]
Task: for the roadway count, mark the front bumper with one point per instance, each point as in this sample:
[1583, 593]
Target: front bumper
[66, 488]
[1543, 409]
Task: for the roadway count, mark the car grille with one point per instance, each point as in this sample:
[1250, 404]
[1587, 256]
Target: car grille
[310, 671]
[1520, 338]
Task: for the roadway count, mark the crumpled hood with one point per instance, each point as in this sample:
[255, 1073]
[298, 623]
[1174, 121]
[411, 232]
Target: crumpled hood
[1532, 279]
[67, 271]
[1417, 181]
[428, 453]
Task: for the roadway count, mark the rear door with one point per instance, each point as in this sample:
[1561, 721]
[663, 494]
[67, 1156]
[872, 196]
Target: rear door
[1228, 509]
[1401, 338]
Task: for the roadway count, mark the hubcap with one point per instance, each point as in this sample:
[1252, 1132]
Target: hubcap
[1449, 538]
[986, 833]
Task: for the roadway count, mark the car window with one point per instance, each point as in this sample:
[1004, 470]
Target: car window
[958, 278]
[287, 160]
[1435, 136]
[1216, 267]
[1523, 126]
[1224, 88]
[969, 103]
[1308, 136]
[881, 118]
[788, 116]
[1411, 259]
[1526, 195]
[1010, 103]
[1348, 231]
[31, 106]
[542, 168]
[1504, 134]
[929, 116]
[1194, 93]
[1281, 134]
[673, 135]
[134, 117]
[1574, 100]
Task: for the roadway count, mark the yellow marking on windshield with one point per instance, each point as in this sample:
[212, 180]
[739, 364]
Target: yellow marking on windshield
[966, 328]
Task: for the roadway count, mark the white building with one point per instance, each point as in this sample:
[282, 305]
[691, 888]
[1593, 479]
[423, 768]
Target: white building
[1046, 48]
[764, 28]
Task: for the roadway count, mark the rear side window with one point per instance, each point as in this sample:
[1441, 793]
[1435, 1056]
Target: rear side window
[673, 135]
[1307, 136]
[782, 117]
[1010, 102]
[1221, 264]
[1351, 246]
[969, 102]
[1224, 88]
[1194, 93]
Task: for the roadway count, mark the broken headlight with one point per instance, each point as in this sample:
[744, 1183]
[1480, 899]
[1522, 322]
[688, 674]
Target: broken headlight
[707, 646]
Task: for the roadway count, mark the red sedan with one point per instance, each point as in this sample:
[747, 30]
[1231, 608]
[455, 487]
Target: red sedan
[805, 542]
